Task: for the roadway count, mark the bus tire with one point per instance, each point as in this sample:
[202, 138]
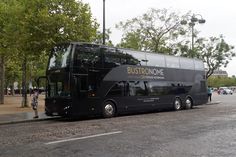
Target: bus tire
[188, 103]
[177, 104]
[108, 109]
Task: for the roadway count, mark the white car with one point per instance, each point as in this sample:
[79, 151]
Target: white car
[228, 91]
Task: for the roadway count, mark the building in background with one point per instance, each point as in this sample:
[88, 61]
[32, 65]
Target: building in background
[220, 73]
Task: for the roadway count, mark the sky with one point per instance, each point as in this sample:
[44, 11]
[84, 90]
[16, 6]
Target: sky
[220, 16]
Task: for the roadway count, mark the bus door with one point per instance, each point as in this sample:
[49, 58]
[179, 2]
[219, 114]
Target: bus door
[80, 86]
[80, 93]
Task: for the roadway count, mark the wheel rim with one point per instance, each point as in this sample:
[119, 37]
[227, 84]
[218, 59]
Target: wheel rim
[188, 103]
[109, 110]
[177, 104]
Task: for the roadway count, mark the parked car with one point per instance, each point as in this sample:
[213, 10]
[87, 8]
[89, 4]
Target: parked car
[228, 91]
[225, 90]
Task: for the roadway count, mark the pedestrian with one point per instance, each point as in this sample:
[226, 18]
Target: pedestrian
[209, 92]
[34, 103]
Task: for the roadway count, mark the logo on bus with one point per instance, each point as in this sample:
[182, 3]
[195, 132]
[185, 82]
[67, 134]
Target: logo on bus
[146, 73]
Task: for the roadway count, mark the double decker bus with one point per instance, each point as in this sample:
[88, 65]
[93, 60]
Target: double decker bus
[84, 79]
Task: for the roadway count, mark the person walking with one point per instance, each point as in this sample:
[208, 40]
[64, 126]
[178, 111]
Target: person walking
[209, 92]
[34, 103]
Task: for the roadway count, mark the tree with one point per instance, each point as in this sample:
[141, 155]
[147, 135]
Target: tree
[99, 38]
[8, 25]
[221, 81]
[36, 25]
[152, 31]
[164, 32]
[2, 77]
[131, 40]
[215, 52]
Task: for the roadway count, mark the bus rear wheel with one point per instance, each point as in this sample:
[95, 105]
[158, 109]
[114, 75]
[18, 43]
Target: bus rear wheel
[188, 103]
[109, 109]
[177, 104]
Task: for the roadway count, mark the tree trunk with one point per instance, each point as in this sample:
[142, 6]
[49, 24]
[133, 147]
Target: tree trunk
[24, 102]
[2, 75]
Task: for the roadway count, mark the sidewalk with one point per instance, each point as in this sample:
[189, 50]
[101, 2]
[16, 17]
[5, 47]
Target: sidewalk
[12, 112]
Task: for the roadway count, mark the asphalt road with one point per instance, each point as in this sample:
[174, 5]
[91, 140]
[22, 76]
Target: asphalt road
[204, 131]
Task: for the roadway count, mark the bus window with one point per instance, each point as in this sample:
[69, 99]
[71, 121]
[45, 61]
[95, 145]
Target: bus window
[58, 89]
[60, 57]
[85, 57]
[198, 65]
[130, 60]
[116, 90]
[137, 57]
[137, 88]
[155, 60]
[157, 88]
[186, 63]
[172, 62]
[111, 60]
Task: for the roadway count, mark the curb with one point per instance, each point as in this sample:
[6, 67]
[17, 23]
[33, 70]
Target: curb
[213, 103]
[28, 120]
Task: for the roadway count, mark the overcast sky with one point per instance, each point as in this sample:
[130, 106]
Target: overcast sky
[220, 16]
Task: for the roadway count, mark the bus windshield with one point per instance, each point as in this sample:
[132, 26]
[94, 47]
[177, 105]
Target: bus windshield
[60, 57]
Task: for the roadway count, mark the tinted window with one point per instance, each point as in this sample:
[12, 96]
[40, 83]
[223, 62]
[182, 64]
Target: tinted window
[179, 88]
[86, 56]
[58, 89]
[60, 57]
[158, 88]
[131, 60]
[155, 60]
[137, 88]
[138, 56]
[116, 90]
[186, 63]
[198, 65]
[112, 59]
[172, 62]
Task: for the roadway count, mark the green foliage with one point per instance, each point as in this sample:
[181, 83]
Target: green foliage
[99, 38]
[221, 81]
[164, 32]
[155, 31]
[29, 28]
[215, 52]
[132, 41]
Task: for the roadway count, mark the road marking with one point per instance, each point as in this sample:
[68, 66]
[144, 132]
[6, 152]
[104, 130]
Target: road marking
[85, 137]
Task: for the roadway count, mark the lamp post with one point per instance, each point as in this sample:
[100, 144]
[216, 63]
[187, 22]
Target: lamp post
[104, 27]
[192, 21]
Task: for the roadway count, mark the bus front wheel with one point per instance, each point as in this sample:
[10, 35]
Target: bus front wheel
[177, 104]
[109, 109]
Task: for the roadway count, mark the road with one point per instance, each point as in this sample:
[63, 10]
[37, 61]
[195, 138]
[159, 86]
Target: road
[204, 131]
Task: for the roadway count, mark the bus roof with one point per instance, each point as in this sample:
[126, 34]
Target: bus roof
[127, 49]
[168, 60]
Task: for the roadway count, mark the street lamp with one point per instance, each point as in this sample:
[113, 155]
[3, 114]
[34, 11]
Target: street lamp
[104, 28]
[192, 21]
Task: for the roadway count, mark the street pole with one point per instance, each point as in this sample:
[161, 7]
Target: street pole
[192, 37]
[192, 47]
[193, 20]
[104, 28]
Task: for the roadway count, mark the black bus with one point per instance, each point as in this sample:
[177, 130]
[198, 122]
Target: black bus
[84, 79]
